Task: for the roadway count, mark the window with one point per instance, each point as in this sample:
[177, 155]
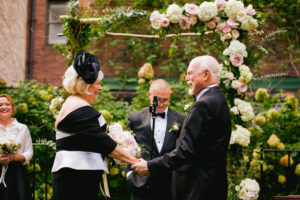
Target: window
[55, 24]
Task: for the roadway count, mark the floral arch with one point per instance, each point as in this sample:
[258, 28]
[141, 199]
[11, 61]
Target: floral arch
[233, 26]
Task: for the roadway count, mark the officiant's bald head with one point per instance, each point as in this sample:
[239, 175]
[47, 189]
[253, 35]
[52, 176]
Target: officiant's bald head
[162, 90]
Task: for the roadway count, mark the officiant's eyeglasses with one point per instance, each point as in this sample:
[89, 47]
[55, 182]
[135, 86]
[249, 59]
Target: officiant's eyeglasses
[163, 100]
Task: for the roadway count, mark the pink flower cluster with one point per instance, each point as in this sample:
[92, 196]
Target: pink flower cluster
[227, 28]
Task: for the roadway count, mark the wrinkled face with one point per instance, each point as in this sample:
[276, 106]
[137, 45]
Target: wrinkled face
[93, 90]
[163, 97]
[6, 108]
[196, 79]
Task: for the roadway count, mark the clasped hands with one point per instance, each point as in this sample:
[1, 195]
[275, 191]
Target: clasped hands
[6, 158]
[141, 167]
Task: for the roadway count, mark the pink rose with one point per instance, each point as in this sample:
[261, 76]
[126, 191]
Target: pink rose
[220, 3]
[211, 24]
[227, 29]
[191, 9]
[193, 20]
[216, 19]
[228, 36]
[232, 23]
[236, 59]
[235, 34]
[164, 22]
[184, 23]
[230, 75]
[221, 26]
[250, 10]
[242, 87]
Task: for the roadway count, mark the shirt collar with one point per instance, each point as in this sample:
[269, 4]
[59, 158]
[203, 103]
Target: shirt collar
[204, 90]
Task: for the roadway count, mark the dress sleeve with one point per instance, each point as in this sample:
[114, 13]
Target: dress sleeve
[27, 151]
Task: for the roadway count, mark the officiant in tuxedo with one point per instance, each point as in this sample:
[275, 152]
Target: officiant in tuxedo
[203, 141]
[166, 131]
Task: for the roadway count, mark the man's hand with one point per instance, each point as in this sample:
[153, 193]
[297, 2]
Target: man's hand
[141, 168]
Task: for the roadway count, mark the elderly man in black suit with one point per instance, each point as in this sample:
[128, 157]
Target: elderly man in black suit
[166, 131]
[204, 138]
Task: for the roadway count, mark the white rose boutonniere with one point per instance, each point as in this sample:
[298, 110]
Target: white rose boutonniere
[175, 127]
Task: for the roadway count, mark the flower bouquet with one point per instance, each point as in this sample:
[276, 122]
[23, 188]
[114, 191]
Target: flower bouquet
[7, 146]
[125, 140]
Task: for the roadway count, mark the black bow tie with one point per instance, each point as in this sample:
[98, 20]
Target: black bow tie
[162, 115]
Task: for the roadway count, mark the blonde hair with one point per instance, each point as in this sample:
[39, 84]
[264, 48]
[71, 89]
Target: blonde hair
[74, 84]
[10, 99]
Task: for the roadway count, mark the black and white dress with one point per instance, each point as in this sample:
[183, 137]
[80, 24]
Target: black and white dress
[81, 146]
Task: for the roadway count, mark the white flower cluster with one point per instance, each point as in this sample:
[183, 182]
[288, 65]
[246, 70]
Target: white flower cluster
[245, 109]
[55, 105]
[236, 47]
[174, 12]
[249, 23]
[125, 140]
[240, 136]
[207, 11]
[8, 144]
[246, 74]
[233, 7]
[248, 189]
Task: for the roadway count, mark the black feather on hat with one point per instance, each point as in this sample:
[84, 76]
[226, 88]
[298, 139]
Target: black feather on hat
[87, 67]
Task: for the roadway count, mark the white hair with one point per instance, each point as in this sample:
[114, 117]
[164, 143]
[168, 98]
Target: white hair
[208, 63]
[74, 84]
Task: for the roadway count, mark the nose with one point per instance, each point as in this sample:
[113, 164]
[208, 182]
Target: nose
[100, 88]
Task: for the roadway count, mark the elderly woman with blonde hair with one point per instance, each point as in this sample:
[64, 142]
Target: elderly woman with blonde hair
[81, 141]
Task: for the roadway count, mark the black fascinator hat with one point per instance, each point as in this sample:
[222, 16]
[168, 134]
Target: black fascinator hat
[87, 67]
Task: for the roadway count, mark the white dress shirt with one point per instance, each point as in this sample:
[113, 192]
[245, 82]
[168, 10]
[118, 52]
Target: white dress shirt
[80, 160]
[20, 133]
[160, 129]
[204, 90]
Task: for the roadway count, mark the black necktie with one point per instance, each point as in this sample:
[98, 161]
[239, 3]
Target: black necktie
[162, 115]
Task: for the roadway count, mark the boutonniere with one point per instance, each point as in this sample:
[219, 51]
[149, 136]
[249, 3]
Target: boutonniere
[175, 127]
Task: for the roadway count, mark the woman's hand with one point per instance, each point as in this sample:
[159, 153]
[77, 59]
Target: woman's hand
[6, 158]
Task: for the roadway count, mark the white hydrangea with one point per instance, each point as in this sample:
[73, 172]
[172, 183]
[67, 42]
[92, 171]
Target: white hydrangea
[233, 7]
[248, 189]
[55, 105]
[249, 23]
[245, 109]
[207, 11]
[240, 136]
[246, 74]
[234, 110]
[174, 13]
[236, 47]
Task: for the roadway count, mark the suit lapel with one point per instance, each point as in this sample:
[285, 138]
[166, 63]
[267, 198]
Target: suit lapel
[171, 117]
[145, 119]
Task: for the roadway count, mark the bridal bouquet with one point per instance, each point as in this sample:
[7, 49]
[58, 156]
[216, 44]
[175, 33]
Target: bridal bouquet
[7, 146]
[125, 140]
[248, 189]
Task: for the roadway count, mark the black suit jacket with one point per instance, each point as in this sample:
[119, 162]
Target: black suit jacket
[156, 186]
[202, 147]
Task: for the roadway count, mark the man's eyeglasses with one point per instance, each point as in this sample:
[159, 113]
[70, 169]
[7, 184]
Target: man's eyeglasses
[163, 100]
